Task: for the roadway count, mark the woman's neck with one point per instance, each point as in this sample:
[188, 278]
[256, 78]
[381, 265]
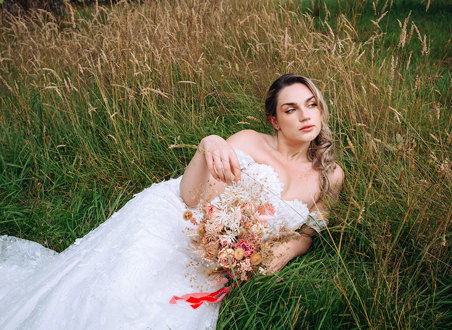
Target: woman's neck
[291, 151]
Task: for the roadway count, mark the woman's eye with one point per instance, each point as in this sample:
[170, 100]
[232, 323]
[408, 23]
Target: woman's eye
[290, 110]
[312, 105]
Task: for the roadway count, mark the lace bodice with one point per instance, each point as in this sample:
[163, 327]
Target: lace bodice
[289, 214]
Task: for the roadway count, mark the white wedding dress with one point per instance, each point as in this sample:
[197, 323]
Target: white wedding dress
[123, 274]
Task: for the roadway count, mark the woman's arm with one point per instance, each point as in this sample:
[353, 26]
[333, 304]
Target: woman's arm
[214, 165]
[285, 252]
[300, 245]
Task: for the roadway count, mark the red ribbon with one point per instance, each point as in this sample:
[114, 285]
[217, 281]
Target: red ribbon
[198, 298]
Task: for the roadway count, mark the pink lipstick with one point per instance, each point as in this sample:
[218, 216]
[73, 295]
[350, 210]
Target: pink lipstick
[307, 128]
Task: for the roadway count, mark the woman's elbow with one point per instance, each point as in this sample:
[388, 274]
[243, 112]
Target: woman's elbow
[188, 198]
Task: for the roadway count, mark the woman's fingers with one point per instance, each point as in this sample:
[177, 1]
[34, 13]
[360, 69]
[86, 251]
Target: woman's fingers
[218, 166]
[221, 160]
[228, 176]
[235, 167]
[210, 165]
[224, 166]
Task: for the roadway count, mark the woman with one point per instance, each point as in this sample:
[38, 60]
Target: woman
[123, 274]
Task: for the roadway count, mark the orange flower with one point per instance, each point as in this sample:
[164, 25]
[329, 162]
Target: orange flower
[261, 209]
[266, 209]
[269, 208]
[193, 221]
[188, 215]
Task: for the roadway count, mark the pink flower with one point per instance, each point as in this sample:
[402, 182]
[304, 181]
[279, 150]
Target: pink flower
[225, 256]
[245, 265]
[210, 211]
[265, 218]
[252, 238]
[247, 247]
[269, 208]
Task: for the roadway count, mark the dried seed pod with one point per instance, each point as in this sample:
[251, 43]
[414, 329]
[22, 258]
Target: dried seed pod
[202, 230]
[188, 215]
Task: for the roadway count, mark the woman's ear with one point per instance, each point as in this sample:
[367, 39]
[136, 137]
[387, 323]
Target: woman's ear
[274, 122]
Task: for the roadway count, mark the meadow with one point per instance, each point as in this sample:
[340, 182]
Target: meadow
[98, 105]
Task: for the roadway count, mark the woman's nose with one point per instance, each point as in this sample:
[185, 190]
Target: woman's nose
[303, 114]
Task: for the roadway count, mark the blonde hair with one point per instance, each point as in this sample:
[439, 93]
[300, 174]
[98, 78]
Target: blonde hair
[321, 149]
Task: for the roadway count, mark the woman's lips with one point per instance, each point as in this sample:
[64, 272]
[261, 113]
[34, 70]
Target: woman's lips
[307, 128]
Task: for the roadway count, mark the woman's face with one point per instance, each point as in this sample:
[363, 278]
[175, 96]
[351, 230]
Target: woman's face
[298, 116]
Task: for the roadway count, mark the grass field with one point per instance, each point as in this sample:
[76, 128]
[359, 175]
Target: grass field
[91, 104]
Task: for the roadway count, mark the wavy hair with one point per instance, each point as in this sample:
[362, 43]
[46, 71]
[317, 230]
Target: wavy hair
[321, 149]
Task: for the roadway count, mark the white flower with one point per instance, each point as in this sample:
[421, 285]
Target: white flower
[227, 239]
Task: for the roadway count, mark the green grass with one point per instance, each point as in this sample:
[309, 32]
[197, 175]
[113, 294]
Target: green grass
[91, 105]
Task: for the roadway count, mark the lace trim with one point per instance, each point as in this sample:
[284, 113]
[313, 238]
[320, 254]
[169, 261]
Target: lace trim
[317, 220]
[295, 210]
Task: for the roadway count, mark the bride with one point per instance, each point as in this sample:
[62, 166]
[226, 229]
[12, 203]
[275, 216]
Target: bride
[123, 274]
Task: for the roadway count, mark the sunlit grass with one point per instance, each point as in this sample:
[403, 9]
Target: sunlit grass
[91, 104]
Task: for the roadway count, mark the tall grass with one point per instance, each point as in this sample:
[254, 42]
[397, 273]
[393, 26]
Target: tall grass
[94, 107]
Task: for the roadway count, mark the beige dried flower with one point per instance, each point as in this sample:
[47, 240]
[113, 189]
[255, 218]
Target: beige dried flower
[239, 253]
[255, 259]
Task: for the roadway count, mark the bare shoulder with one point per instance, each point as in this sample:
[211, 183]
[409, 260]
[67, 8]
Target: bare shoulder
[245, 140]
[336, 178]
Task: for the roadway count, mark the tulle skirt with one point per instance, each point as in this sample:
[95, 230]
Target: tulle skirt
[121, 275]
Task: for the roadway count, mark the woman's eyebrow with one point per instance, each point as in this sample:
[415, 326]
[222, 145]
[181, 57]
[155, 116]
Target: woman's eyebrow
[293, 104]
[309, 99]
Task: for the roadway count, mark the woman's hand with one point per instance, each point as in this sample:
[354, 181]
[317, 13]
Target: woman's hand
[214, 165]
[281, 256]
[284, 252]
[221, 159]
